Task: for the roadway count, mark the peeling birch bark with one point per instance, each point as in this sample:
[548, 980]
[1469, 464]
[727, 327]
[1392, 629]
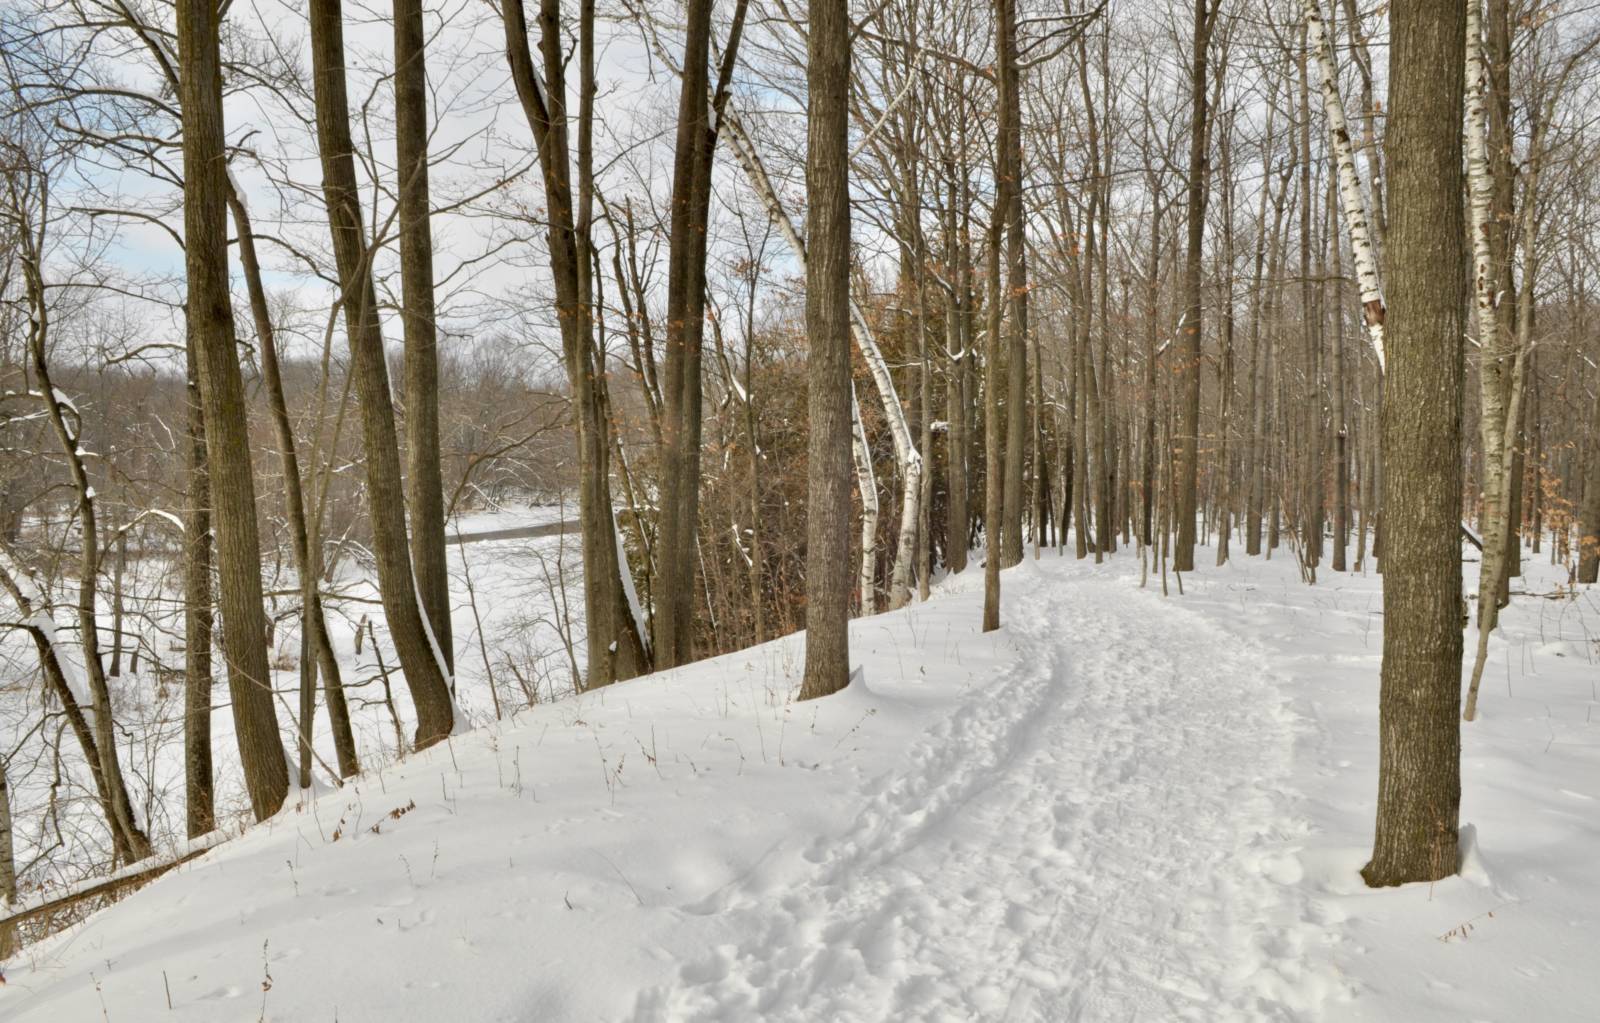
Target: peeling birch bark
[1351, 199]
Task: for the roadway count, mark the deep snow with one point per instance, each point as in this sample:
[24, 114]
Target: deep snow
[1121, 806]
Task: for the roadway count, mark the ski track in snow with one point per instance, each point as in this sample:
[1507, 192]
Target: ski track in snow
[1097, 834]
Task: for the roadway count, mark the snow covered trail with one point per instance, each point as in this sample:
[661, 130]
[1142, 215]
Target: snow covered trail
[1096, 834]
[1119, 807]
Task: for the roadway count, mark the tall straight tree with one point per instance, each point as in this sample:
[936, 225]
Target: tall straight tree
[209, 312]
[1186, 460]
[993, 449]
[827, 667]
[1008, 197]
[421, 661]
[424, 483]
[302, 539]
[614, 646]
[199, 784]
[1419, 742]
[696, 142]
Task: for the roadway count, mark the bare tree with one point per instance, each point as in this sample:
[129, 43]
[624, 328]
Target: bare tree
[697, 130]
[1187, 454]
[424, 479]
[1419, 777]
[614, 642]
[421, 658]
[827, 664]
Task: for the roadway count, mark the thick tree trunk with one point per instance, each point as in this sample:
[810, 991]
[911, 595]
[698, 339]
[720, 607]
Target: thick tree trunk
[232, 485]
[907, 457]
[827, 655]
[993, 472]
[1419, 780]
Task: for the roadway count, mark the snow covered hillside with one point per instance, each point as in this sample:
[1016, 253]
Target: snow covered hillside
[1120, 807]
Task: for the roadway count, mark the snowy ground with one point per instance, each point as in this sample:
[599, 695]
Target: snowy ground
[1121, 807]
[507, 597]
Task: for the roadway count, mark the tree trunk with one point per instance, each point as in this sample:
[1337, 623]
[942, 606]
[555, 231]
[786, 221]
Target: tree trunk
[424, 482]
[993, 472]
[421, 660]
[867, 485]
[129, 838]
[1009, 200]
[1350, 196]
[827, 654]
[232, 486]
[959, 394]
[199, 784]
[681, 385]
[8, 869]
[1419, 778]
[1187, 454]
[314, 620]
[907, 457]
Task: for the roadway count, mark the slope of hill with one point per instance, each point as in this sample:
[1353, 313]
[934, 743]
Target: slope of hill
[1118, 807]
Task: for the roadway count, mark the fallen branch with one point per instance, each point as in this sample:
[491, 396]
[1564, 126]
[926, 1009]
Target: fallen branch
[132, 876]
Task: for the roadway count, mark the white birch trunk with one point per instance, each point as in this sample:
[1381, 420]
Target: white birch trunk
[1491, 368]
[1500, 399]
[1351, 199]
[908, 459]
[1479, 186]
[869, 510]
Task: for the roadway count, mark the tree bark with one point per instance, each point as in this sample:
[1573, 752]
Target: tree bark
[199, 783]
[958, 399]
[1352, 201]
[232, 485]
[1419, 777]
[8, 869]
[424, 481]
[421, 660]
[686, 281]
[827, 655]
[993, 471]
[1008, 199]
[314, 620]
[1187, 453]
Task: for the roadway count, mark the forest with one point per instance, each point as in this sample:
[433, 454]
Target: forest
[939, 443]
